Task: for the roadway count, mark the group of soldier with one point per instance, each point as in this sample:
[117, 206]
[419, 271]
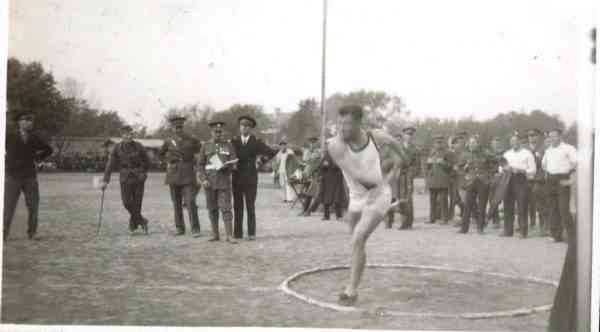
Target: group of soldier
[535, 173]
[462, 173]
[223, 168]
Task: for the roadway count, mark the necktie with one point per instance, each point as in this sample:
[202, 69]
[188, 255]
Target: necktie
[24, 136]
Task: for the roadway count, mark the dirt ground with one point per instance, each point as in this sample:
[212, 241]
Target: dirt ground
[73, 277]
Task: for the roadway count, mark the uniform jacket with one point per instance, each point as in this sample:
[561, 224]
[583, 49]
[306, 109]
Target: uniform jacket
[178, 152]
[410, 165]
[130, 159]
[538, 153]
[217, 179]
[437, 170]
[246, 172]
[474, 165]
[20, 157]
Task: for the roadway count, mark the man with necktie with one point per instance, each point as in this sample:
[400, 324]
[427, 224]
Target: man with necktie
[249, 149]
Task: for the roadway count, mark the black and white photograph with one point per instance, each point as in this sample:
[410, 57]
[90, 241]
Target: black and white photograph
[317, 164]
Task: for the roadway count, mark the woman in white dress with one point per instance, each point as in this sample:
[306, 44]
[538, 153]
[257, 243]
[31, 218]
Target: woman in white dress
[283, 157]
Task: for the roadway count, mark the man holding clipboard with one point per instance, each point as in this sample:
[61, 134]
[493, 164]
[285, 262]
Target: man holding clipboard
[216, 160]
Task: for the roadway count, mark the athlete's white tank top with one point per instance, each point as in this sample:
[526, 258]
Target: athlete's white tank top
[362, 168]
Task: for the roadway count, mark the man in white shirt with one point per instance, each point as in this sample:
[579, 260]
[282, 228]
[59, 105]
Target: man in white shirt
[521, 164]
[560, 160]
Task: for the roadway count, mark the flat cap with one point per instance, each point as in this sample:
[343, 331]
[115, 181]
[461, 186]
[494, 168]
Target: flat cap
[247, 118]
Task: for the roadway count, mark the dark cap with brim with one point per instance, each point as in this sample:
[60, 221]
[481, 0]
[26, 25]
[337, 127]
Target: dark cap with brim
[247, 119]
[534, 132]
[23, 112]
[216, 124]
[409, 130]
[177, 119]
[126, 129]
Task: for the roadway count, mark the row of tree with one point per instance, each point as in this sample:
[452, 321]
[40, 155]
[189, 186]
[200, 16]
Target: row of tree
[63, 112]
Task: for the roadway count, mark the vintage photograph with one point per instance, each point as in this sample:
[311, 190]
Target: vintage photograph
[364, 164]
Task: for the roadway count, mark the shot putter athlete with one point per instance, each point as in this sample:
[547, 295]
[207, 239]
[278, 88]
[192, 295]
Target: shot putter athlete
[366, 159]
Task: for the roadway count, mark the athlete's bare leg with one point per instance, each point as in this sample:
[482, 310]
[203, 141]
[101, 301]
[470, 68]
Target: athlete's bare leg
[373, 213]
[353, 217]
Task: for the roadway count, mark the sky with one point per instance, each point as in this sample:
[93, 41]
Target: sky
[444, 58]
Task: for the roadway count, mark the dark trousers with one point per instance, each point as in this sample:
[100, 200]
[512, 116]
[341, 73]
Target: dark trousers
[132, 195]
[13, 186]
[438, 204]
[243, 192]
[518, 193]
[185, 193]
[454, 199]
[475, 204]
[558, 199]
[338, 210]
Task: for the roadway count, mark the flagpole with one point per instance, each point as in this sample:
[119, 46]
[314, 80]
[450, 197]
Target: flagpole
[323, 115]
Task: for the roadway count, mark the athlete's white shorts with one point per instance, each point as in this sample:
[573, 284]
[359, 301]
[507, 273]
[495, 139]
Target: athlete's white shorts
[377, 199]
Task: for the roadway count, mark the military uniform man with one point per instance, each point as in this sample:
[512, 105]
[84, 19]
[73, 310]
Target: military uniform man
[178, 151]
[437, 174]
[131, 159]
[457, 147]
[476, 163]
[216, 160]
[23, 149]
[406, 176]
[536, 183]
[497, 152]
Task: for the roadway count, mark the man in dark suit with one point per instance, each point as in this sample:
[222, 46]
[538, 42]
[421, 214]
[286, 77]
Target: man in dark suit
[131, 159]
[245, 178]
[536, 198]
[178, 151]
[23, 149]
[437, 173]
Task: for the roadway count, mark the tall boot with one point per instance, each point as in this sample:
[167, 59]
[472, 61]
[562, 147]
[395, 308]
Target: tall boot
[214, 224]
[390, 219]
[338, 211]
[326, 212]
[229, 231]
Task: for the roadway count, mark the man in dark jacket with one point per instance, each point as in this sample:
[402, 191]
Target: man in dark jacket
[130, 158]
[178, 151]
[23, 149]
[437, 172]
[245, 178]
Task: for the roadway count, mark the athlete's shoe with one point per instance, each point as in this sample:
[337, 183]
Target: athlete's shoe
[347, 300]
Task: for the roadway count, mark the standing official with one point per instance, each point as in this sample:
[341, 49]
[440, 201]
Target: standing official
[216, 161]
[23, 149]
[406, 177]
[537, 199]
[437, 174]
[497, 150]
[131, 159]
[560, 161]
[178, 151]
[457, 147]
[476, 165]
[245, 179]
[333, 191]
[521, 164]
